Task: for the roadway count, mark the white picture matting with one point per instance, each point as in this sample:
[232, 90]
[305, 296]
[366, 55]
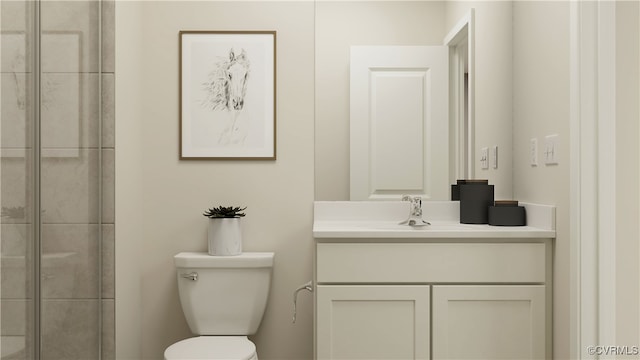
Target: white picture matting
[227, 95]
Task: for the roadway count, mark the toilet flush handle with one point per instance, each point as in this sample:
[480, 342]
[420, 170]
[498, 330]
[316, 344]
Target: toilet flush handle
[309, 287]
[193, 276]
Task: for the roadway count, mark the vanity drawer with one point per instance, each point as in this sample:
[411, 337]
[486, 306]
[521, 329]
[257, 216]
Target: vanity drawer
[431, 262]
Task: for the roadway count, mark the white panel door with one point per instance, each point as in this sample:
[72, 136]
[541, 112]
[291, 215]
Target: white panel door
[399, 135]
[489, 322]
[372, 322]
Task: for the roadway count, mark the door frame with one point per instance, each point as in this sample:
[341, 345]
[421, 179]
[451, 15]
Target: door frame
[461, 43]
[592, 176]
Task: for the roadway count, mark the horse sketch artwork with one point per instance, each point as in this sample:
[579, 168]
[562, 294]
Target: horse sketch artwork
[227, 95]
[225, 91]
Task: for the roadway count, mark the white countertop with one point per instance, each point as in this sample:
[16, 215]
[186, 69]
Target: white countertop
[369, 219]
[437, 229]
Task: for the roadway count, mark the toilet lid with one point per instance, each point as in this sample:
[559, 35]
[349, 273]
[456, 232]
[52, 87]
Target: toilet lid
[212, 348]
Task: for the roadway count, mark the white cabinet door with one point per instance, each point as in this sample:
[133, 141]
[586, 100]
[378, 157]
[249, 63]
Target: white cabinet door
[489, 322]
[399, 122]
[372, 322]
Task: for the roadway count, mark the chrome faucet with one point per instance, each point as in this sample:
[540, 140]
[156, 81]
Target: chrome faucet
[415, 212]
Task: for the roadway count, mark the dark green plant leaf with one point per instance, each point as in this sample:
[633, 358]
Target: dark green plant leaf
[225, 212]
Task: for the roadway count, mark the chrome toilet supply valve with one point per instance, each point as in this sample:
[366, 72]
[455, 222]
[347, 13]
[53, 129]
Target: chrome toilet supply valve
[309, 287]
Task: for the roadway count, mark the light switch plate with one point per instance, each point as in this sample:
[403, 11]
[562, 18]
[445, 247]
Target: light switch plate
[484, 158]
[533, 152]
[494, 156]
[551, 149]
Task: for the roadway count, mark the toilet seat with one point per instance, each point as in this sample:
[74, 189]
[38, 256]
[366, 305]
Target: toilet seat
[212, 348]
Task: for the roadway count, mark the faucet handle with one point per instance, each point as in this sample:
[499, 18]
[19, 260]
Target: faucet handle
[406, 198]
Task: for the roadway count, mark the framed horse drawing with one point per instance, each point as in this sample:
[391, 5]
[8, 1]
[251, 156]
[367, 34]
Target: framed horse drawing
[227, 95]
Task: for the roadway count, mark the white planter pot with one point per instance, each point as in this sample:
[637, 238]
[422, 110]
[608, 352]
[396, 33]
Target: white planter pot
[225, 237]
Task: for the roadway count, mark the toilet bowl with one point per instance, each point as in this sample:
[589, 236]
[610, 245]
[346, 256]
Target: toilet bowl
[212, 348]
[223, 299]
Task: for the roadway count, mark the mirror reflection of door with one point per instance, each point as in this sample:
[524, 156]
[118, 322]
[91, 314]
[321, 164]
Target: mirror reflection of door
[460, 41]
[399, 122]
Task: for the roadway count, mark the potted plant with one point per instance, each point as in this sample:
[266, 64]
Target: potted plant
[225, 236]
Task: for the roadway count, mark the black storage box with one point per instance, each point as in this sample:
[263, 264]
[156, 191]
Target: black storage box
[455, 190]
[475, 198]
[507, 213]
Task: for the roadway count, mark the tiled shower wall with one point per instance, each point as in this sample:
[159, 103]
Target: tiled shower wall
[69, 184]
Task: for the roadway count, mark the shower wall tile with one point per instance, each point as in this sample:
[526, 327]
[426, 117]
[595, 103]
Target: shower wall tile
[16, 16]
[14, 317]
[70, 36]
[70, 261]
[16, 50]
[15, 277]
[79, 319]
[108, 36]
[63, 51]
[15, 180]
[79, 340]
[14, 239]
[70, 113]
[70, 188]
[14, 104]
[66, 106]
[15, 347]
[15, 262]
[59, 274]
[15, 39]
[66, 254]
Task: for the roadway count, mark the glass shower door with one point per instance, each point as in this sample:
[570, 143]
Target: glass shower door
[57, 180]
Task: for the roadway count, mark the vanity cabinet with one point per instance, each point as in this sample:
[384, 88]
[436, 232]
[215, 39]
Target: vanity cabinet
[373, 322]
[489, 322]
[433, 299]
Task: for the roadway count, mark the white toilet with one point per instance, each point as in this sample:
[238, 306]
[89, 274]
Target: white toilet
[223, 299]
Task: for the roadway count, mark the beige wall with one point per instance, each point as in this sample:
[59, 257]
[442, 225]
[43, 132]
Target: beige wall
[339, 25]
[627, 173]
[129, 179]
[160, 199]
[494, 86]
[540, 108]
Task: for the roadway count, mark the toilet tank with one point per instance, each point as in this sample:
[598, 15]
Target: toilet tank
[223, 295]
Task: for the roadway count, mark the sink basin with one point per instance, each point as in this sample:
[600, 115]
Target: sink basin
[434, 226]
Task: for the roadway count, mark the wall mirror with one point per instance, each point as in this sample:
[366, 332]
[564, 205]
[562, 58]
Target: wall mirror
[343, 25]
